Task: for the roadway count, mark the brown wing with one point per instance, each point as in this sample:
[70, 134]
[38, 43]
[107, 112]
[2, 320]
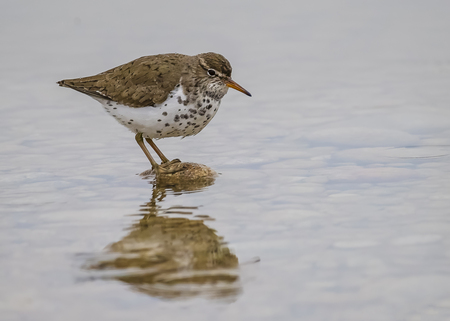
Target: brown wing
[146, 81]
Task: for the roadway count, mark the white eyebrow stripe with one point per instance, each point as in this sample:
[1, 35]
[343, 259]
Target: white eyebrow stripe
[206, 67]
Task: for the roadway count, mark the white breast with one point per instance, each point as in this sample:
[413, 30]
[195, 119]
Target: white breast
[173, 118]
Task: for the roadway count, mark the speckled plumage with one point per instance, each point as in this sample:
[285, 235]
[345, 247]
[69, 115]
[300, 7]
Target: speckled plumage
[160, 96]
[173, 118]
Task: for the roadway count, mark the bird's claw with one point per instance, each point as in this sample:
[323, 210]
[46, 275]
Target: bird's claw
[171, 167]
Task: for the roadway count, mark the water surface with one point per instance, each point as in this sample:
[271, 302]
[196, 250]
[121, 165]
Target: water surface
[332, 201]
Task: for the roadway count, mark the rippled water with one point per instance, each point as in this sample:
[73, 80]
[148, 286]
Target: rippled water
[333, 197]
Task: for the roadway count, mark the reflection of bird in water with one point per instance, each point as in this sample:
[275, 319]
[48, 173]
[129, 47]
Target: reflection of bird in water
[172, 257]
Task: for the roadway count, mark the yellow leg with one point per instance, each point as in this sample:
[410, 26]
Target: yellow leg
[141, 144]
[156, 149]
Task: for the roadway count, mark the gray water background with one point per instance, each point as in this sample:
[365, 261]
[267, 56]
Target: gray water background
[335, 175]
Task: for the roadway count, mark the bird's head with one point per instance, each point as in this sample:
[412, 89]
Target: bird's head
[216, 72]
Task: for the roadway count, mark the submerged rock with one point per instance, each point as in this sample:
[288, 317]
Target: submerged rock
[188, 176]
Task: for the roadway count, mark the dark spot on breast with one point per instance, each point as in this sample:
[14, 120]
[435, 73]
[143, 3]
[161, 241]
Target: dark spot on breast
[129, 123]
[186, 102]
[202, 111]
[207, 100]
[180, 101]
[159, 119]
[158, 131]
[180, 124]
[115, 108]
[208, 116]
[204, 100]
[192, 110]
[199, 104]
[215, 109]
[131, 120]
[167, 124]
[196, 126]
[164, 114]
[176, 118]
[209, 106]
[188, 122]
[191, 115]
[114, 115]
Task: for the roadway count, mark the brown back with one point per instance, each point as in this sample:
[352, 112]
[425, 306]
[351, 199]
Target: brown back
[146, 81]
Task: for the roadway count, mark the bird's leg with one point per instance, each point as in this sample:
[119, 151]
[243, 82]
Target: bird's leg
[141, 144]
[156, 149]
[166, 165]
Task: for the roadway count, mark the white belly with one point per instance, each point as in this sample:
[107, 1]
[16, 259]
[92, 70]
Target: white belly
[170, 119]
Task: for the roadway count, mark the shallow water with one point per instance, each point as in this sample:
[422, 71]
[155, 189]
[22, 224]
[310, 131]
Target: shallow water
[333, 197]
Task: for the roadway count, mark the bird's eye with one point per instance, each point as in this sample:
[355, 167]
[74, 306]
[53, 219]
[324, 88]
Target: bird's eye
[211, 72]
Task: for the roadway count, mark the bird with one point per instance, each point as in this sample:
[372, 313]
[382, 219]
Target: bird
[160, 96]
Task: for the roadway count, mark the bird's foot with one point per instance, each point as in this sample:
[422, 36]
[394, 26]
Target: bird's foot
[171, 167]
[175, 172]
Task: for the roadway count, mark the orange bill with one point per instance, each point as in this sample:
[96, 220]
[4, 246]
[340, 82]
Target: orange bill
[232, 84]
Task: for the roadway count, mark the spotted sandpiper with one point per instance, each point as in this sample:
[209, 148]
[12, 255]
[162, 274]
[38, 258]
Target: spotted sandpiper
[167, 95]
